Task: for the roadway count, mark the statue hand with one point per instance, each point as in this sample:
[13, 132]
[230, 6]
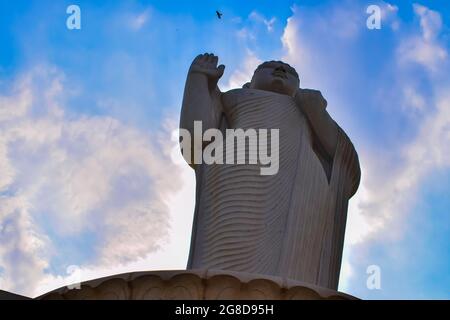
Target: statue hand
[207, 64]
[308, 99]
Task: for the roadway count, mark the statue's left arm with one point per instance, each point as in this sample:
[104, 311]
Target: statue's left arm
[334, 144]
[314, 105]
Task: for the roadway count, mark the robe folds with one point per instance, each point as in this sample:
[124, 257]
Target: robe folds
[290, 224]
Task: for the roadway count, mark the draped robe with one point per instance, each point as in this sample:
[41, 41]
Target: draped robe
[290, 224]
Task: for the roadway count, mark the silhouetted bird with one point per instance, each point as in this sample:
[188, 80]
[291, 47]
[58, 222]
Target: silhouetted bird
[219, 15]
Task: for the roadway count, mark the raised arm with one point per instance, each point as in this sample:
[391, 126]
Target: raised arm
[201, 95]
[201, 100]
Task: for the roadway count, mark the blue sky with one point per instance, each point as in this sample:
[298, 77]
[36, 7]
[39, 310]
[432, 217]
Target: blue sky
[89, 174]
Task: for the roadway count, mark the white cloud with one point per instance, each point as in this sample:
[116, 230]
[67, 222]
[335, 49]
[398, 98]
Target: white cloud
[22, 253]
[430, 21]
[389, 15]
[292, 39]
[413, 98]
[317, 41]
[430, 149]
[172, 256]
[377, 200]
[245, 34]
[252, 26]
[21, 102]
[382, 205]
[74, 174]
[244, 73]
[139, 20]
[302, 47]
[257, 17]
[384, 208]
[425, 49]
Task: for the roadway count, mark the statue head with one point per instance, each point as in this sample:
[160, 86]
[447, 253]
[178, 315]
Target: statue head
[275, 76]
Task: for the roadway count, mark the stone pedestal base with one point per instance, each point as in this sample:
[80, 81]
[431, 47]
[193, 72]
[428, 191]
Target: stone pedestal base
[194, 285]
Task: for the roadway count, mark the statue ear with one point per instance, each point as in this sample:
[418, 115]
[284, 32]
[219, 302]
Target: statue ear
[246, 86]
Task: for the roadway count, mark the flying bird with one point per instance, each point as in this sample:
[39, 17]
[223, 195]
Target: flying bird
[219, 15]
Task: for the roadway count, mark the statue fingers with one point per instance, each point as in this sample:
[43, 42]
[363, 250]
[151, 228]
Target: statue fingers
[205, 58]
[210, 61]
[200, 62]
[214, 61]
[324, 102]
[220, 70]
[197, 59]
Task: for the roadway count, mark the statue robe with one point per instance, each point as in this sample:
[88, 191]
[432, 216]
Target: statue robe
[290, 224]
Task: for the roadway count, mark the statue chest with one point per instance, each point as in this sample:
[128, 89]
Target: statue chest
[257, 109]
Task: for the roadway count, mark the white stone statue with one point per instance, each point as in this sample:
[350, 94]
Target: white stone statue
[289, 224]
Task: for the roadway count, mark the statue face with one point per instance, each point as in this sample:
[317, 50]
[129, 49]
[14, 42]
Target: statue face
[276, 77]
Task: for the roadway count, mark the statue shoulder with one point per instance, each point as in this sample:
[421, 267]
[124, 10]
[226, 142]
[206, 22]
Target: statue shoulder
[231, 97]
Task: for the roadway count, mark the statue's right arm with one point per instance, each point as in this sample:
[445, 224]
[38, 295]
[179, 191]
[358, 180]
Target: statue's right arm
[201, 100]
[199, 104]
